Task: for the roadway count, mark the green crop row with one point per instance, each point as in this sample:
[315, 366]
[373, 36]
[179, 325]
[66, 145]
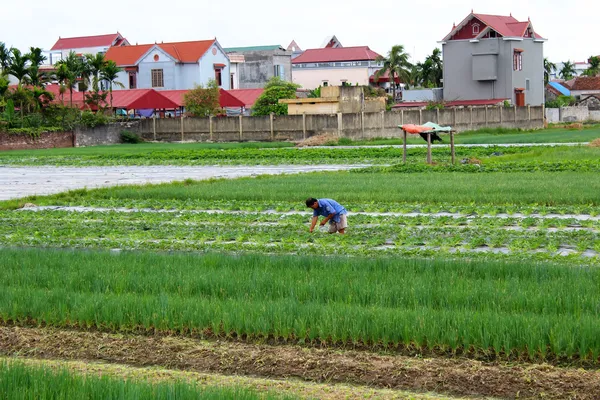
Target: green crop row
[240, 156]
[530, 310]
[21, 381]
[289, 234]
[377, 191]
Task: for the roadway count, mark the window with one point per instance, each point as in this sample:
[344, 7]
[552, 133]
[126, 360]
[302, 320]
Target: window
[157, 78]
[518, 60]
[526, 84]
[325, 83]
[278, 70]
[132, 81]
[232, 81]
[218, 76]
[475, 29]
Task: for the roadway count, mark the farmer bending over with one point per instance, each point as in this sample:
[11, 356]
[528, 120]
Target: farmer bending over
[333, 212]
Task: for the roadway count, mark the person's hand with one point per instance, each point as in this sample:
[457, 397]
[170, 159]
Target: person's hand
[311, 230]
[322, 224]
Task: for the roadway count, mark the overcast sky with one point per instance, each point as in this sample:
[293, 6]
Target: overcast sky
[571, 27]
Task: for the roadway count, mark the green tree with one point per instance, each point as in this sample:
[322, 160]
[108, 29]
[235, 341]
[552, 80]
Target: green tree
[594, 68]
[96, 64]
[315, 93]
[69, 70]
[201, 101]
[567, 71]
[549, 68]
[432, 70]
[275, 90]
[19, 66]
[397, 65]
[64, 77]
[36, 58]
[110, 73]
[5, 58]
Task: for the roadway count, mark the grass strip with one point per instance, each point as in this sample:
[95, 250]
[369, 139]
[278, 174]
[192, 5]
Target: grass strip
[506, 310]
[24, 380]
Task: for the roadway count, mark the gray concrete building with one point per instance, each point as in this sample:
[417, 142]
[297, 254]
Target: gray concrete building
[261, 63]
[490, 57]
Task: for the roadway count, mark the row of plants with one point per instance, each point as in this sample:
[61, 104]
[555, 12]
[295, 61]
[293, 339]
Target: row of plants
[502, 310]
[202, 232]
[21, 380]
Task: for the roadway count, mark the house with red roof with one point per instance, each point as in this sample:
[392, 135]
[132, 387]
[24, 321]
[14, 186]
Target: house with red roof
[171, 66]
[85, 45]
[334, 66]
[493, 57]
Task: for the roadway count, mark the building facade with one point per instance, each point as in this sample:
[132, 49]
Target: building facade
[335, 67]
[261, 63]
[171, 66]
[494, 57]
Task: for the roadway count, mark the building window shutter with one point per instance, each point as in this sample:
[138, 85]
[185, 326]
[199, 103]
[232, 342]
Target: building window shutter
[157, 78]
[282, 72]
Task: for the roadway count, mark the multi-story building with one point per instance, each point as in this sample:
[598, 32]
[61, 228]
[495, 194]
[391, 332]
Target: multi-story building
[172, 66]
[260, 63]
[85, 45]
[494, 57]
[335, 66]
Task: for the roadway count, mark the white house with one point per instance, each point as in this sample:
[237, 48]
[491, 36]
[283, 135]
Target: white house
[172, 66]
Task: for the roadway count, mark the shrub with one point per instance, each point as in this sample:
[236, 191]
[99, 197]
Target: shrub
[203, 102]
[91, 120]
[130, 137]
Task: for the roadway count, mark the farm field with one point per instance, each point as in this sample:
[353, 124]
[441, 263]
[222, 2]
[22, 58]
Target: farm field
[474, 281]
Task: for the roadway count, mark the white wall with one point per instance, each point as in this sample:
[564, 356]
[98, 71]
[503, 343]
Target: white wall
[313, 78]
[207, 70]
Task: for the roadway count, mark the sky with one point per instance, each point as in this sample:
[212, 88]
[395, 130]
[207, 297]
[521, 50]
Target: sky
[570, 26]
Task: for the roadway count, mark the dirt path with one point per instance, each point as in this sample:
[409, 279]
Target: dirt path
[18, 182]
[455, 377]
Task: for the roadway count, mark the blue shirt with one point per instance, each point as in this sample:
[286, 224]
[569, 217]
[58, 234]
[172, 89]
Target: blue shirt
[328, 206]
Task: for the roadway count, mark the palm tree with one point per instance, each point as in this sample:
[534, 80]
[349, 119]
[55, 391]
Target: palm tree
[68, 70]
[5, 58]
[18, 66]
[549, 68]
[41, 97]
[96, 63]
[36, 58]
[397, 65]
[435, 68]
[110, 73]
[567, 71]
[64, 77]
[594, 68]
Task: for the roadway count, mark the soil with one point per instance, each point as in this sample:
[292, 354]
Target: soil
[318, 140]
[456, 377]
[595, 143]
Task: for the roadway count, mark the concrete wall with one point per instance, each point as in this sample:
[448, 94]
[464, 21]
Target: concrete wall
[571, 114]
[105, 134]
[460, 69]
[46, 140]
[423, 95]
[356, 125]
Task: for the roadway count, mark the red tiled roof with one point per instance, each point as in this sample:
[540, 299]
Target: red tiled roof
[184, 52]
[227, 98]
[383, 78]
[140, 99]
[505, 26]
[247, 96]
[362, 53]
[455, 103]
[85, 41]
[584, 83]
[127, 55]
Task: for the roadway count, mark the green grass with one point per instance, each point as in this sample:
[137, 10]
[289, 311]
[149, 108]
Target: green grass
[541, 188]
[21, 381]
[534, 311]
[501, 136]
